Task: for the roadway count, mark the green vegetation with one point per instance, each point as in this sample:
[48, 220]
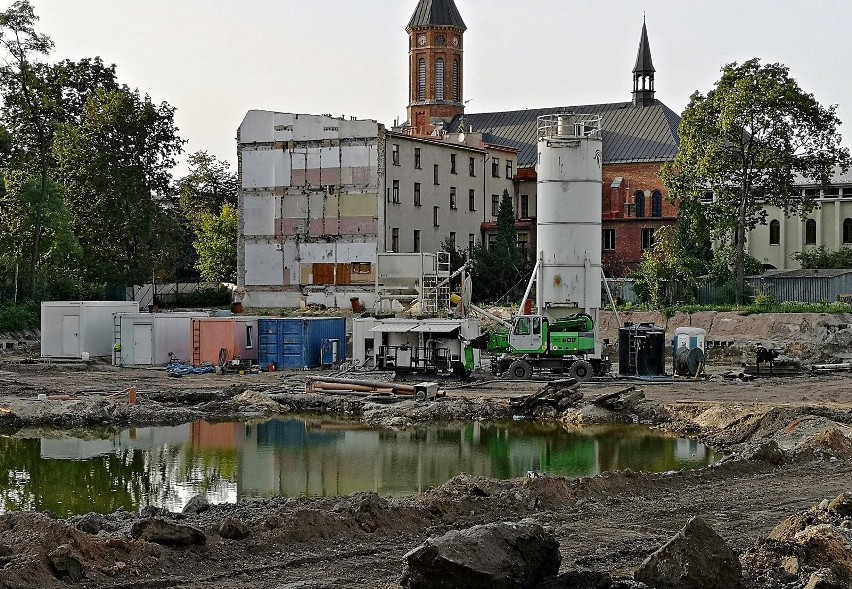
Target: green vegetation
[19, 317]
[823, 258]
[761, 304]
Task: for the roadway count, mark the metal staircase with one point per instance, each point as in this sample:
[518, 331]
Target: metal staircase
[435, 292]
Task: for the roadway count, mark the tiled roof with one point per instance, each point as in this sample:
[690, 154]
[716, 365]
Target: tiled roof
[436, 13]
[630, 134]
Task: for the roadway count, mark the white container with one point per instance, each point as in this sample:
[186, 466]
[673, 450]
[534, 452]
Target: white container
[145, 339]
[68, 328]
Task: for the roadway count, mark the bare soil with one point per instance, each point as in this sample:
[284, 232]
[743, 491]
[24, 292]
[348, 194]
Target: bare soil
[788, 442]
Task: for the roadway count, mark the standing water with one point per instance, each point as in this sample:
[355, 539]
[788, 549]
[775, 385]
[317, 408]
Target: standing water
[166, 466]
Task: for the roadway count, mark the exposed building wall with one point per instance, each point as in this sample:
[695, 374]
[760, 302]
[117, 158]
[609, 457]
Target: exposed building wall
[309, 207]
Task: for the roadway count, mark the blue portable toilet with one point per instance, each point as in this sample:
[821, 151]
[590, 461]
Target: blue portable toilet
[299, 342]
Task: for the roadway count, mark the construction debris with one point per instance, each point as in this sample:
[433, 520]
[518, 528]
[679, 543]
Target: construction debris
[620, 400]
[559, 394]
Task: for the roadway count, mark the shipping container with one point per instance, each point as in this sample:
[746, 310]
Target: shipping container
[80, 329]
[301, 342]
[223, 338]
[153, 339]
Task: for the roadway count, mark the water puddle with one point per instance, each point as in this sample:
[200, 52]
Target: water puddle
[315, 456]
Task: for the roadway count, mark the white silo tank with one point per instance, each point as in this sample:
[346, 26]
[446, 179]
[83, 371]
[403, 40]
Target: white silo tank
[569, 215]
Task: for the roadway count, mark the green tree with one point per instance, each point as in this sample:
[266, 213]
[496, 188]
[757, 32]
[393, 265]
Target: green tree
[21, 44]
[116, 168]
[663, 276]
[207, 187]
[822, 257]
[216, 244]
[746, 141]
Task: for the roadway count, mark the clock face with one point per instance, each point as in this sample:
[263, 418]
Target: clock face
[421, 40]
[439, 40]
[455, 41]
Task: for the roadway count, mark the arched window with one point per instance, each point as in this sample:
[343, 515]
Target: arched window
[456, 80]
[421, 79]
[847, 230]
[810, 232]
[439, 79]
[640, 203]
[656, 204]
[774, 232]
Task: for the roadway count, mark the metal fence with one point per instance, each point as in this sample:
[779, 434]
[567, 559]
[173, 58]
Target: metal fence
[797, 286]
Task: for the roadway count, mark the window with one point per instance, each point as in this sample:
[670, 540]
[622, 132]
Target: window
[492, 240]
[249, 336]
[774, 232]
[656, 204]
[472, 167]
[495, 205]
[847, 191]
[362, 267]
[522, 326]
[509, 171]
[439, 79]
[609, 239]
[395, 192]
[395, 154]
[435, 216]
[417, 157]
[456, 80]
[640, 204]
[647, 238]
[495, 167]
[453, 163]
[525, 206]
[453, 204]
[417, 194]
[421, 79]
[471, 200]
[435, 173]
[811, 192]
[471, 242]
[453, 239]
[833, 191]
[847, 230]
[523, 244]
[810, 232]
[417, 240]
[395, 239]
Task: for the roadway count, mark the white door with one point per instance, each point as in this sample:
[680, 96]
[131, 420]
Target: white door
[71, 335]
[143, 344]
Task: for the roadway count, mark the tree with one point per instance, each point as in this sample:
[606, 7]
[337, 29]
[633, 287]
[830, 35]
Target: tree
[663, 276]
[116, 167]
[21, 43]
[207, 187]
[746, 142]
[822, 258]
[216, 244]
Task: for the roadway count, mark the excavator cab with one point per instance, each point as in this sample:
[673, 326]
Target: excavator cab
[528, 334]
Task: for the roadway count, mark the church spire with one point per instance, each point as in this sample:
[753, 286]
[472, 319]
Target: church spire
[643, 72]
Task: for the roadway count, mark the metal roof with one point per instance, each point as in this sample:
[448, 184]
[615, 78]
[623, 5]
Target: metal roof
[436, 13]
[394, 327]
[643, 56]
[630, 134]
[428, 327]
[805, 273]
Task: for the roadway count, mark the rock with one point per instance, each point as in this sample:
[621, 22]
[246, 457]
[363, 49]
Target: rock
[91, 523]
[825, 579]
[767, 451]
[826, 547]
[494, 556]
[791, 566]
[787, 529]
[197, 504]
[66, 564]
[695, 558]
[842, 505]
[577, 580]
[232, 529]
[163, 532]
[6, 553]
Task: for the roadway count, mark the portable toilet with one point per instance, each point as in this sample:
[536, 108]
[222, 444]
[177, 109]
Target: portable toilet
[301, 342]
[236, 335]
[80, 329]
[689, 350]
[152, 339]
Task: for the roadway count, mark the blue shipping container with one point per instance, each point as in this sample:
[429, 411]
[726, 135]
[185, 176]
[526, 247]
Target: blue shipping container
[297, 343]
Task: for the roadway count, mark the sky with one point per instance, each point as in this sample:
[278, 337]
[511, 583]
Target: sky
[214, 60]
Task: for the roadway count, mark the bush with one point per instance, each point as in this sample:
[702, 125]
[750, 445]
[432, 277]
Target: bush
[20, 318]
[205, 297]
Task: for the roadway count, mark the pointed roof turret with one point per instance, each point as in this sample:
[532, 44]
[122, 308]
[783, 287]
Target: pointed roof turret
[436, 13]
[644, 64]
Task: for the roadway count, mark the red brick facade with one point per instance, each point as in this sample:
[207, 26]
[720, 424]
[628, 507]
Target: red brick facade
[430, 45]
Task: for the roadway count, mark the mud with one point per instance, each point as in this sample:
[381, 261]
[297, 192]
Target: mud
[788, 445]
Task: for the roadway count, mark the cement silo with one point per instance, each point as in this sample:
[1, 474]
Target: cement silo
[569, 215]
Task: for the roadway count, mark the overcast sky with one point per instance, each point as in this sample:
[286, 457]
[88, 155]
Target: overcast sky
[216, 59]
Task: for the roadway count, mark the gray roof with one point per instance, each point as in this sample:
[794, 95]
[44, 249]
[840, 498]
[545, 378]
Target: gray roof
[643, 56]
[805, 273]
[436, 13]
[630, 134]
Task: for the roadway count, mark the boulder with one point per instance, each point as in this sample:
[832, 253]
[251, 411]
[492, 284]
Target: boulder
[91, 523]
[493, 556]
[695, 558]
[826, 547]
[161, 531]
[826, 579]
[232, 529]
[578, 580]
[787, 529]
[197, 504]
[842, 505]
[66, 564]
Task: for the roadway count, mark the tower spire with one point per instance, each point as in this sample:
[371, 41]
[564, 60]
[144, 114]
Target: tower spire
[643, 72]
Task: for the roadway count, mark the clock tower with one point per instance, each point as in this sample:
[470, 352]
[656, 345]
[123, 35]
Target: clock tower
[436, 73]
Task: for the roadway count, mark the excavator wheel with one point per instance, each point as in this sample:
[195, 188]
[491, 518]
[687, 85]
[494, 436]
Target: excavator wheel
[520, 370]
[581, 370]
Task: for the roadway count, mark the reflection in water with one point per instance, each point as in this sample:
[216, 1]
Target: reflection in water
[166, 466]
